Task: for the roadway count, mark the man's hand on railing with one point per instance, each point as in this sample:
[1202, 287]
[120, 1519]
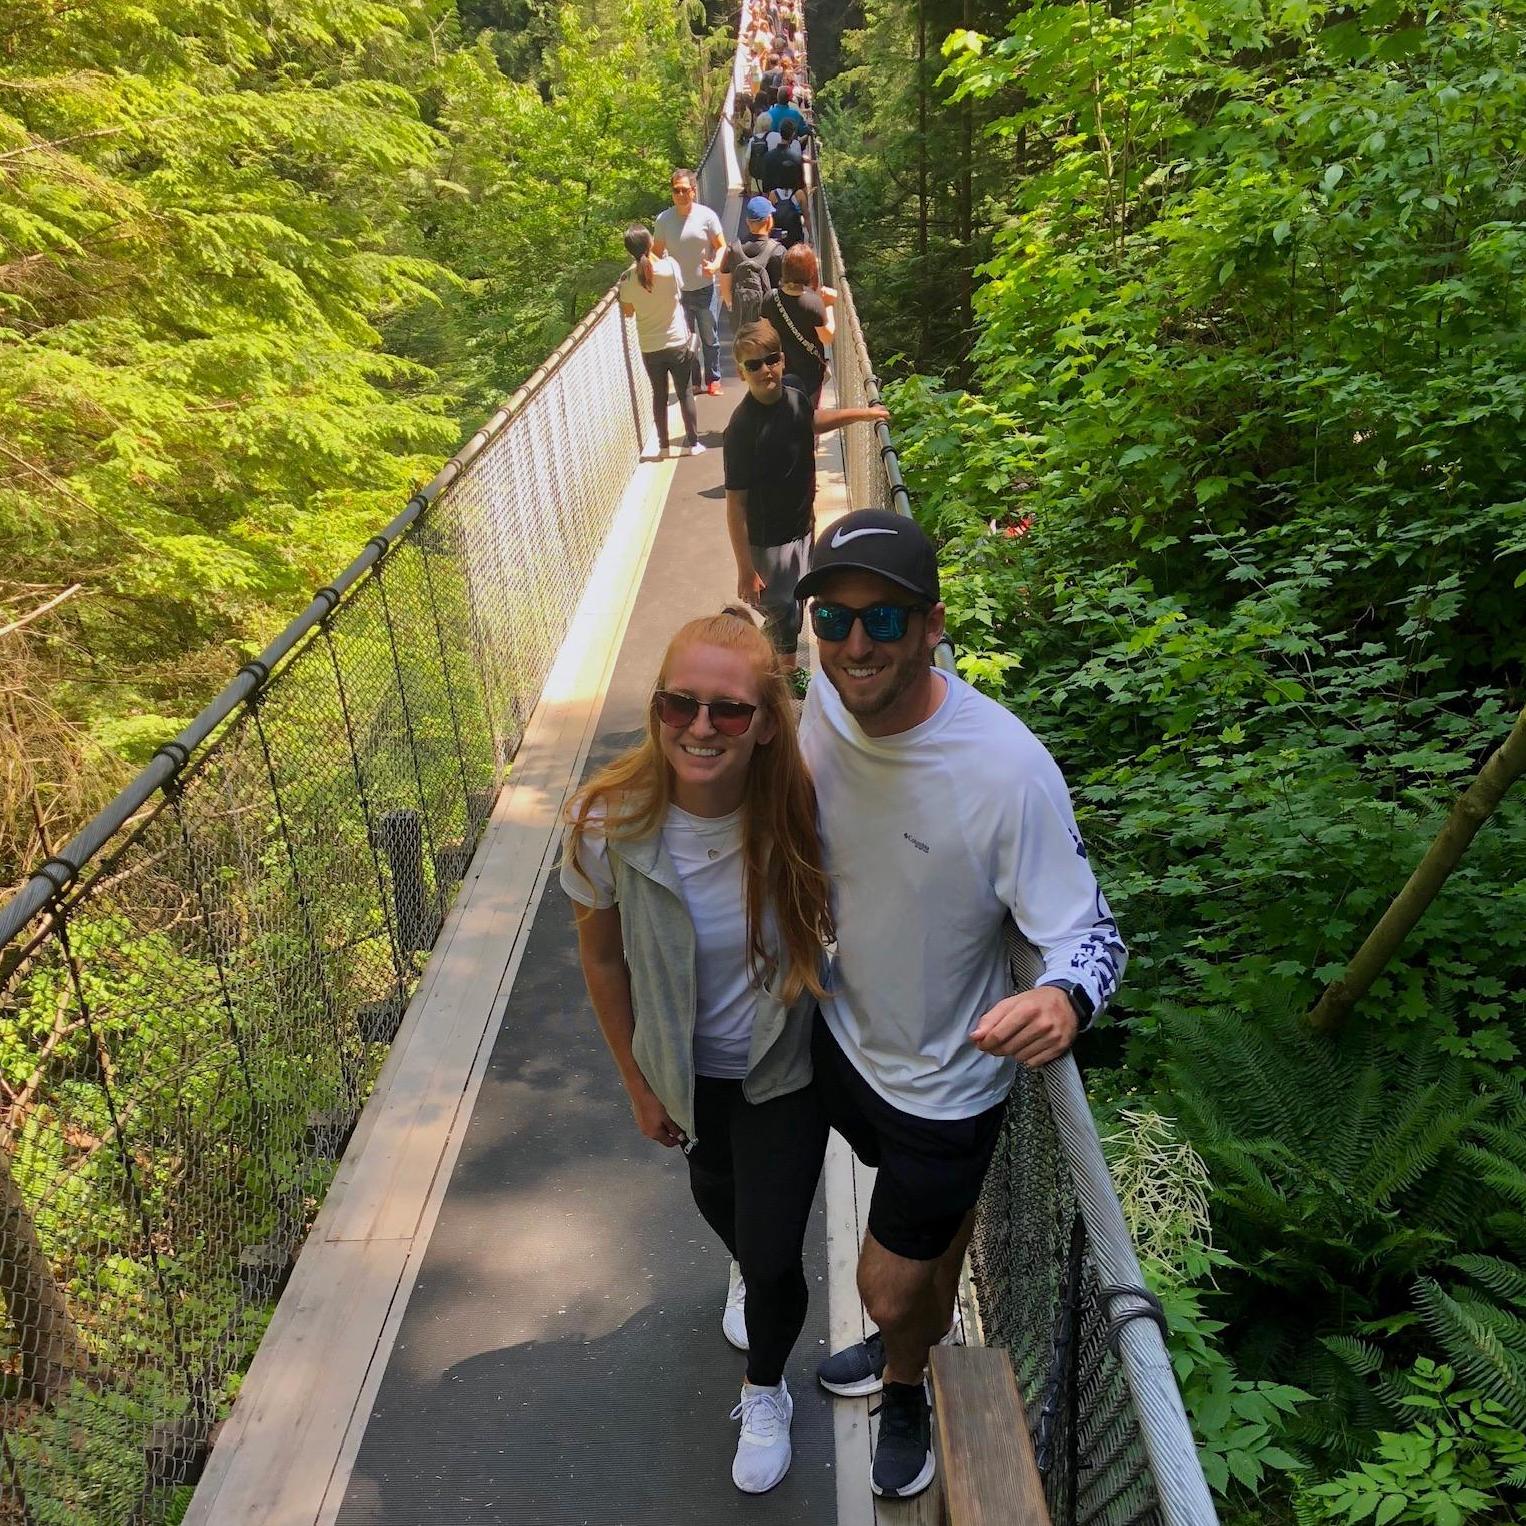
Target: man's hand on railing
[1034, 1026]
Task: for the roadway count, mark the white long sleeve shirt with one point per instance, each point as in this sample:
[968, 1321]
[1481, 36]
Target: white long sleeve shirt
[932, 838]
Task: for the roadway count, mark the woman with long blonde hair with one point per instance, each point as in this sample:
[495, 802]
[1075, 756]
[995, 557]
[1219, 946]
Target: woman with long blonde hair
[702, 911]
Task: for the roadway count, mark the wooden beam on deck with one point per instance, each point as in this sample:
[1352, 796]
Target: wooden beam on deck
[985, 1456]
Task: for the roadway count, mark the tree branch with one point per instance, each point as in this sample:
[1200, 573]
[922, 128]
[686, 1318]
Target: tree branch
[42, 609]
[1474, 806]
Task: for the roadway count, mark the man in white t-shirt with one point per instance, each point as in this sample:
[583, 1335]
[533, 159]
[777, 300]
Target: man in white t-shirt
[942, 816]
[691, 233]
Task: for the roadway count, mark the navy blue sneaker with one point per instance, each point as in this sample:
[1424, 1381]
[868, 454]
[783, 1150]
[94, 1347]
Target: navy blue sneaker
[855, 1370]
[903, 1456]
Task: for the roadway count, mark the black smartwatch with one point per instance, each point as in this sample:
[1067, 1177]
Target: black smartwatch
[1080, 1001]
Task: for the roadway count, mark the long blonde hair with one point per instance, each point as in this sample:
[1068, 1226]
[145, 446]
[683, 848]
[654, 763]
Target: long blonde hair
[781, 849]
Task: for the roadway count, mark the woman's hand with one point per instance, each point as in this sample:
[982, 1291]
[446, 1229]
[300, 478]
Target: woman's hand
[750, 586]
[652, 1117]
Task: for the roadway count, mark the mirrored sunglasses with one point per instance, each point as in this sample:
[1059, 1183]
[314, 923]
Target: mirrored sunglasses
[730, 717]
[882, 622]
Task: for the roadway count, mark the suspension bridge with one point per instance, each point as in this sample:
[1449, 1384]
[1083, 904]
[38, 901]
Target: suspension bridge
[323, 1203]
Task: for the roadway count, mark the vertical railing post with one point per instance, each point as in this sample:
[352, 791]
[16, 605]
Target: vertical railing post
[455, 721]
[368, 816]
[135, 1193]
[630, 383]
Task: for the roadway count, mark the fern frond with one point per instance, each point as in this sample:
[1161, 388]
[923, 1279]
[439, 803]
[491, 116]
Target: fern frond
[1497, 1166]
[1505, 1279]
[1361, 1357]
[1474, 1347]
[1429, 1125]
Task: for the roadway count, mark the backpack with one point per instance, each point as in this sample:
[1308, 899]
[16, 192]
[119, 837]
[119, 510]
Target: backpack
[789, 225]
[757, 152]
[750, 285]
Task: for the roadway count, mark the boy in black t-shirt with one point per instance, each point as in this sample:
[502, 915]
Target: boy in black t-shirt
[770, 456]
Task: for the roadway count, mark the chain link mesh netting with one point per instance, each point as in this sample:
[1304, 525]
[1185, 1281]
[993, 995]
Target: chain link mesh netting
[187, 1036]
[1039, 1297]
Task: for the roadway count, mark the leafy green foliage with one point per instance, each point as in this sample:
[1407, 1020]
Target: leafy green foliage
[1239, 1423]
[1444, 1471]
[258, 273]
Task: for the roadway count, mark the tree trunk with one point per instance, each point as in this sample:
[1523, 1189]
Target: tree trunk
[52, 1352]
[922, 132]
[1473, 808]
[926, 300]
[967, 217]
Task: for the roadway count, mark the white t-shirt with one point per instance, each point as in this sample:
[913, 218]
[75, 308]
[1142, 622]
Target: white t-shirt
[932, 837]
[690, 240]
[660, 320]
[707, 853]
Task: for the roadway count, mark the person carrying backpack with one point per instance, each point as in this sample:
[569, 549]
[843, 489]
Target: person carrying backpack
[762, 129]
[789, 218]
[784, 165]
[770, 464]
[751, 268]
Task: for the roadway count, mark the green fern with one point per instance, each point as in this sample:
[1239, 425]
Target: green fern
[1505, 1279]
[1331, 1162]
[1486, 1343]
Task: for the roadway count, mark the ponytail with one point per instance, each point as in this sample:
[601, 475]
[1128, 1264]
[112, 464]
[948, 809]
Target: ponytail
[638, 244]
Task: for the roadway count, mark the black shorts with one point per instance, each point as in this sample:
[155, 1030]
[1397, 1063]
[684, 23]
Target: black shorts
[930, 1169]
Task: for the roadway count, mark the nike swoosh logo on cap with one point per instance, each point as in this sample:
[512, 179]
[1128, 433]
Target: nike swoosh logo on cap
[841, 538]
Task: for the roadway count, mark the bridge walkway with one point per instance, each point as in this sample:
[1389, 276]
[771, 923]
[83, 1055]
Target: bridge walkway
[509, 1310]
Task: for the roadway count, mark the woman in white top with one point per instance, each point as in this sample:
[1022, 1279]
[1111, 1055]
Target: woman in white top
[702, 910]
[649, 292]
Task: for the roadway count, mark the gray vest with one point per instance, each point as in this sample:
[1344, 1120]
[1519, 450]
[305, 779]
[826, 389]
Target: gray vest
[659, 952]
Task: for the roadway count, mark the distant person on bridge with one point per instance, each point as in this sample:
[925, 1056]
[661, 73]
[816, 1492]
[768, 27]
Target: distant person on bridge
[784, 164]
[802, 319]
[785, 110]
[702, 911]
[942, 816]
[692, 233]
[771, 484]
[650, 292]
[751, 268]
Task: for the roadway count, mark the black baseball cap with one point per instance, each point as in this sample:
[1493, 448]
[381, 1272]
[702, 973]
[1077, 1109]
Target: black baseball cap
[875, 540]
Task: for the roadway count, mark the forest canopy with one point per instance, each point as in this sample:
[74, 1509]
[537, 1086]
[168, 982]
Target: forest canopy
[261, 267]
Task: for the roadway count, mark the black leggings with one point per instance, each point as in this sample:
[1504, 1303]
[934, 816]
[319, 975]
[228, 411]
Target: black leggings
[753, 1174]
[678, 364]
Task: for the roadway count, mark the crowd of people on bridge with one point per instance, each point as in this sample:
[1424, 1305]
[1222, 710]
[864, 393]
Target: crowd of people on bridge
[789, 928]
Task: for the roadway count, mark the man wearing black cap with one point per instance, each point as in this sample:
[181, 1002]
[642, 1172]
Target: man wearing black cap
[942, 816]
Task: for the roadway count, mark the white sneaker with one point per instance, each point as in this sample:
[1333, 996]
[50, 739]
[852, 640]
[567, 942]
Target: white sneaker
[734, 1320]
[696, 449]
[763, 1448]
